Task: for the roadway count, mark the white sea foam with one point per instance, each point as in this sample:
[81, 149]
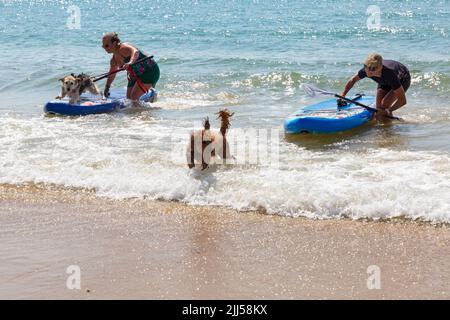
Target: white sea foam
[131, 157]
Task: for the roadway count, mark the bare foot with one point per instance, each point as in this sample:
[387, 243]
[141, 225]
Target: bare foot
[382, 114]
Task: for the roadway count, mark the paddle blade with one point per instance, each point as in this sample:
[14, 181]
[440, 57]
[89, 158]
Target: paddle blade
[312, 91]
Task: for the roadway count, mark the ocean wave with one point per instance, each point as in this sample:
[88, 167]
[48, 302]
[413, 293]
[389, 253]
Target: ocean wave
[437, 81]
[134, 159]
[191, 94]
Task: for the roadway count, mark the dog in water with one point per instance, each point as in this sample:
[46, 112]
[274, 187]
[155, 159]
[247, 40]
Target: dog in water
[206, 144]
[73, 86]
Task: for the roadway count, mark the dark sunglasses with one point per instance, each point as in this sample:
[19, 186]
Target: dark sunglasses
[371, 69]
[106, 46]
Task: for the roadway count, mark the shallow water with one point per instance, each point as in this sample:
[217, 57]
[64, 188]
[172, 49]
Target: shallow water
[250, 57]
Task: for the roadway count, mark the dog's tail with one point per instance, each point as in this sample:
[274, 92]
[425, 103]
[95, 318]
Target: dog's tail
[224, 116]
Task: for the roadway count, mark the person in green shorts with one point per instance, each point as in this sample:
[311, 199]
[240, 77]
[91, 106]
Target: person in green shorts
[124, 55]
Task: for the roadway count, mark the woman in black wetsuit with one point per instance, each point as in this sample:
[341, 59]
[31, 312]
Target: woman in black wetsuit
[393, 80]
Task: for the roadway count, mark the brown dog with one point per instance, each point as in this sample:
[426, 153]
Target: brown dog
[206, 144]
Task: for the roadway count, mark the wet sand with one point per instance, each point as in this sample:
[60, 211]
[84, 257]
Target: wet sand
[163, 250]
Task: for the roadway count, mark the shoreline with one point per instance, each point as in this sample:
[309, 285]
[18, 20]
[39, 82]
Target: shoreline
[90, 195]
[147, 249]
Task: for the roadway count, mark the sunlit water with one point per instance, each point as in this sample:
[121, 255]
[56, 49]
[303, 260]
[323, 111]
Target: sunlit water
[250, 57]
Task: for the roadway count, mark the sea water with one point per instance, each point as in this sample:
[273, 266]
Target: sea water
[250, 57]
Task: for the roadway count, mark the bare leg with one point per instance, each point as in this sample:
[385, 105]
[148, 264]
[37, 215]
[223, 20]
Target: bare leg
[129, 92]
[385, 100]
[389, 100]
[137, 92]
[380, 95]
[397, 107]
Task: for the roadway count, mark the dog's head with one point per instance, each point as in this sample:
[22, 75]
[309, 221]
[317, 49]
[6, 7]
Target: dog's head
[70, 83]
[85, 81]
[84, 78]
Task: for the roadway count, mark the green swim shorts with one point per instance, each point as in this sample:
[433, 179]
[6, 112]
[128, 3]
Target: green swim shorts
[147, 71]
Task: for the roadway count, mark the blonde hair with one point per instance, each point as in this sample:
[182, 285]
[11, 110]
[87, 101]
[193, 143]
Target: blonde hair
[374, 60]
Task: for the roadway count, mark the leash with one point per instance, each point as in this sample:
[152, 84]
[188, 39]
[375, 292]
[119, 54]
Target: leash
[105, 75]
[132, 74]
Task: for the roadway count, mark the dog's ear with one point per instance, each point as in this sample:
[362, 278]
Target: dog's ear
[62, 79]
[73, 75]
[206, 124]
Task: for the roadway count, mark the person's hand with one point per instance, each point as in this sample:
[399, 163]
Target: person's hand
[341, 103]
[106, 92]
[126, 66]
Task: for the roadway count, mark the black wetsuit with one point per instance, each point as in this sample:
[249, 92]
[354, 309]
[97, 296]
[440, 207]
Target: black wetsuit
[393, 75]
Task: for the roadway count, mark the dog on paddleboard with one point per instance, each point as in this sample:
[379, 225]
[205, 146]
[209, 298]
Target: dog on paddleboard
[73, 86]
[205, 144]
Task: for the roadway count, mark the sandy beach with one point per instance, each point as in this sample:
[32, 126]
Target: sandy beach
[320, 200]
[163, 250]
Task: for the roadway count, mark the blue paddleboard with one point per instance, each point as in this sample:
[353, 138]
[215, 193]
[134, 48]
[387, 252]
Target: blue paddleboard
[326, 117]
[91, 104]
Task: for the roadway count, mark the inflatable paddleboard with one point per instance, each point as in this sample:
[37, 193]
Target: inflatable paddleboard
[92, 104]
[327, 117]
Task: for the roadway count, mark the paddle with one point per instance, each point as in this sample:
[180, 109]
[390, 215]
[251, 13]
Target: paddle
[313, 92]
[105, 75]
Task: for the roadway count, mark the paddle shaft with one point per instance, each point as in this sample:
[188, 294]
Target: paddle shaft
[120, 69]
[363, 105]
[108, 74]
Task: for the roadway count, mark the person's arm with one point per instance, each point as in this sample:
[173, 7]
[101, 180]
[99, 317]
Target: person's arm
[111, 77]
[129, 51]
[350, 84]
[134, 56]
